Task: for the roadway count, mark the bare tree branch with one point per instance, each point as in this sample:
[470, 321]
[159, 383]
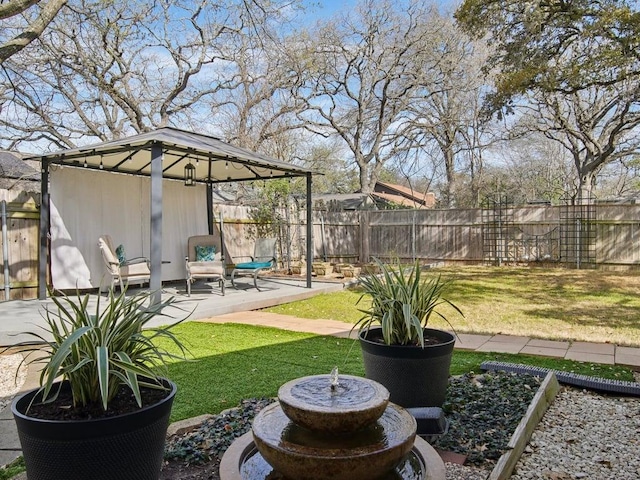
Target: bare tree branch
[33, 29]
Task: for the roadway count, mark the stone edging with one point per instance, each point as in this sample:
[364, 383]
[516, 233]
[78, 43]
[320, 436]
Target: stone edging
[544, 397]
[187, 425]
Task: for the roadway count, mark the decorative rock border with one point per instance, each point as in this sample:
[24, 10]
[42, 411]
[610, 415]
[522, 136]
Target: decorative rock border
[631, 389]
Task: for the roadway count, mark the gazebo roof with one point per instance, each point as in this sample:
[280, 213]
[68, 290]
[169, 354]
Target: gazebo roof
[215, 161]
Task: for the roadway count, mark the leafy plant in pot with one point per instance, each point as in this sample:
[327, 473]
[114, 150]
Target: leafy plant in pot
[399, 351]
[103, 406]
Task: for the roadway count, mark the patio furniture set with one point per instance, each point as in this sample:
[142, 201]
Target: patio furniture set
[204, 260]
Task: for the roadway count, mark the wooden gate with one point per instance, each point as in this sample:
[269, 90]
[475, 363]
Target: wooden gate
[19, 249]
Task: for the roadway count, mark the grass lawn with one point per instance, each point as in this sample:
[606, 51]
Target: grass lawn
[554, 304]
[233, 362]
[13, 469]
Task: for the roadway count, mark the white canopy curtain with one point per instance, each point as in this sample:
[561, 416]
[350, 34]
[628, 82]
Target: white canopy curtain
[116, 205]
[163, 154]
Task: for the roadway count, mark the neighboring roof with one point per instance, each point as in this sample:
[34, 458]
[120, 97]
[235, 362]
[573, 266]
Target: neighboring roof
[398, 200]
[361, 201]
[12, 166]
[405, 196]
[15, 174]
[214, 160]
[399, 188]
[346, 201]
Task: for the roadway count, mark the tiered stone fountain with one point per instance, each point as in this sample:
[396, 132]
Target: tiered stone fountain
[330, 428]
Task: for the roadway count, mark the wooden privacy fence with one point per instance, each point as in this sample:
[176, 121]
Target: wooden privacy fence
[575, 236]
[605, 236]
[19, 246]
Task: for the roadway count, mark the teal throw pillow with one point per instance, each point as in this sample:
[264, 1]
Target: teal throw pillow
[205, 253]
[120, 254]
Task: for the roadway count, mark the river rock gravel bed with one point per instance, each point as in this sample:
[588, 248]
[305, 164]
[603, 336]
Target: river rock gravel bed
[584, 435]
[12, 376]
[465, 472]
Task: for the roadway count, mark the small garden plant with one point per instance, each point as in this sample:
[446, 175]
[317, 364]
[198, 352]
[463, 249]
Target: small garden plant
[402, 302]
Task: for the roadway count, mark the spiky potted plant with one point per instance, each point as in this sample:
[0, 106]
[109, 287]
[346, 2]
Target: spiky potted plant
[103, 407]
[398, 348]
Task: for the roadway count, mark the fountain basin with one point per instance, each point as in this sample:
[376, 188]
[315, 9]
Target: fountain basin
[367, 454]
[242, 461]
[353, 403]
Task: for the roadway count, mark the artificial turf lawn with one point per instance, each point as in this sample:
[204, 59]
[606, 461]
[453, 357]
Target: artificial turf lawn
[232, 362]
[13, 469]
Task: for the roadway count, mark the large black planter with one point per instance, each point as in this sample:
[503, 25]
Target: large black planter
[129, 446]
[414, 376]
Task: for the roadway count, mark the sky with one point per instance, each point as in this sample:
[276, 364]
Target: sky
[326, 8]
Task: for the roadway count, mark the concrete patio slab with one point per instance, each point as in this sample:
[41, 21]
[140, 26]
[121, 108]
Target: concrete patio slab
[535, 342]
[629, 356]
[467, 341]
[9, 438]
[331, 331]
[286, 322]
[8, 456]
[546, 348]
[500, 347]
[544, 351]
[631, 351]
[5, 414]
[605, 359]
[25, 315]
[513, 339]
[598, 348]
[344, 334]
[320, 330]
[504, 344]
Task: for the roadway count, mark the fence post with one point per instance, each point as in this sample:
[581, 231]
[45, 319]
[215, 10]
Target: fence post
[5, 252]
[364, 236]
[414, 253]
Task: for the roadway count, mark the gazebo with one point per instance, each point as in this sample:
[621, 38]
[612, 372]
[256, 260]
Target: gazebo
[166, 153]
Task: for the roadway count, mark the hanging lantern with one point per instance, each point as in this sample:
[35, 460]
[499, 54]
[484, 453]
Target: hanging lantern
[189, 175]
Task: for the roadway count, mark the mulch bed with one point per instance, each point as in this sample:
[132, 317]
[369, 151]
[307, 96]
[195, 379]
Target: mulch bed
[178, 470]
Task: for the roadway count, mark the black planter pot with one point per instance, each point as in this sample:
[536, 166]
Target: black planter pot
[414, 376]
[129, 446]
